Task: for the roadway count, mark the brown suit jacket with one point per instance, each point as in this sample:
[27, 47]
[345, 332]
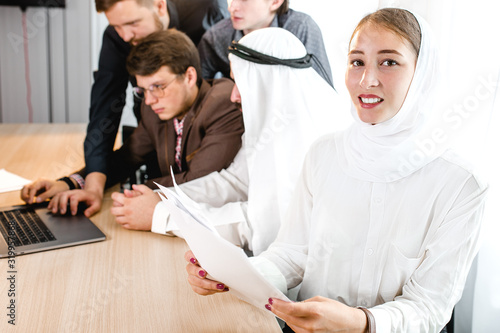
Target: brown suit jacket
[211, 138]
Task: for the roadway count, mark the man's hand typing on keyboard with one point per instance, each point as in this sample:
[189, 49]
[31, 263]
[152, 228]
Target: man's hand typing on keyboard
[64, 197]
[42, 189]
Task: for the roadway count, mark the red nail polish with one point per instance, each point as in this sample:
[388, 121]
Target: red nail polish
[202, 273]
[270, 300]
[226, 289]
[220, 286]
[193, 261]
[268, 307]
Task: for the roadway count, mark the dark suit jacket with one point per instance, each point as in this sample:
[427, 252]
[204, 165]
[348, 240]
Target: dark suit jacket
[211, 138]
[107, 97]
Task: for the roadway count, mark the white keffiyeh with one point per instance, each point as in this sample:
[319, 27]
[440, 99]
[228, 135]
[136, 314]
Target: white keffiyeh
[280, 125]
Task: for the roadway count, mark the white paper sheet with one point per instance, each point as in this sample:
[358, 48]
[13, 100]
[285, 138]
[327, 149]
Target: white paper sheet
[222, 260]
[11, 182]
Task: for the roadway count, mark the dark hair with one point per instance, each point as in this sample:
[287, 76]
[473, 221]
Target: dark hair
[104, 5]
[399, 21]
[170, 48]
[283, 8]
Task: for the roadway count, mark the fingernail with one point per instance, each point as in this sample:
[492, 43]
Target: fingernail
[226, 289]
[220, 286]
[193, 261]
[270, 300]
[268, 307]
[202, 273]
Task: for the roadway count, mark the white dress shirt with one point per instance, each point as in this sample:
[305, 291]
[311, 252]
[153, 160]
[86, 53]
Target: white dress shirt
[401, 248]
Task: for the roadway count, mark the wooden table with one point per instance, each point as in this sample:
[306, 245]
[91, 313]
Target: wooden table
[132, 282]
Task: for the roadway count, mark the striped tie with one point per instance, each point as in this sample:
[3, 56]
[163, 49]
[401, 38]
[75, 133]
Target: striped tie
[178, 129]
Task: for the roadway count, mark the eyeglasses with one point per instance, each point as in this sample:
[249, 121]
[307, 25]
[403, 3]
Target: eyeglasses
[157, 90]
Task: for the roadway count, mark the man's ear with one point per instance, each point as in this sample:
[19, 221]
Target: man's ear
[191, 76]
[161, 7]
[276, 4]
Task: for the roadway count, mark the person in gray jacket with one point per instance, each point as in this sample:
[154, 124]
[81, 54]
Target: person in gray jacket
[250, 15]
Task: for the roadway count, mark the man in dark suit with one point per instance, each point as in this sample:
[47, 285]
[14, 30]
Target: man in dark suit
[189, 124]
[129, 22]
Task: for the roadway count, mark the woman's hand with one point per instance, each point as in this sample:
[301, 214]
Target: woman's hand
[197, 278]
[319, 314]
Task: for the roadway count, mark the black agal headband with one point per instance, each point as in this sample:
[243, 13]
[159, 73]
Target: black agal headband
[251, 55]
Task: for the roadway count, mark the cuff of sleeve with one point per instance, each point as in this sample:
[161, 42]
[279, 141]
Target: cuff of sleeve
[270, 272]
[68, 182]
[79, 179]
[383, 320]
[160, 219]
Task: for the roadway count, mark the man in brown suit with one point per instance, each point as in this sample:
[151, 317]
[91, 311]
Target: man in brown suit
[188, 123]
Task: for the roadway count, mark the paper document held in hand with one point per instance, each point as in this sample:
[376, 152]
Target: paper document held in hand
[222, 260]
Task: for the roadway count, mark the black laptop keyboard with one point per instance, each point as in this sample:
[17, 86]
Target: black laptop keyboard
[27, 225]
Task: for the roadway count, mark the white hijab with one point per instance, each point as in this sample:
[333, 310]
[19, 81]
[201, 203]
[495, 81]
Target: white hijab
[284, 111]
[390, 150]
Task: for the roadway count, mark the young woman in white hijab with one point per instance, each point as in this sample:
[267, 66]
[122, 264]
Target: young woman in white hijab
[370, 225]
[286, 106]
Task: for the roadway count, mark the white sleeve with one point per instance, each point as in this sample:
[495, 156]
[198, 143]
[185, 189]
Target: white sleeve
[219, 188]
[161, 221]
[229, 220]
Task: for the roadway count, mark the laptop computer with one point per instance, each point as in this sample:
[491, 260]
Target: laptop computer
[33, 228]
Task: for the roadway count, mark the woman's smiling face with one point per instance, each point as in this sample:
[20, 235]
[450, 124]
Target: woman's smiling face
[380, 69]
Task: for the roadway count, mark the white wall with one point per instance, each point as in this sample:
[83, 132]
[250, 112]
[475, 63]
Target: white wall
[59, 63]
